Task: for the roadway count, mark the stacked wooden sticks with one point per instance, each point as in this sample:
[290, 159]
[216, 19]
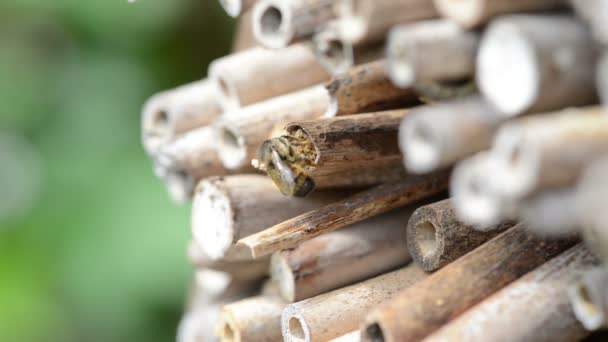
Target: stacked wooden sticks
[357, 111]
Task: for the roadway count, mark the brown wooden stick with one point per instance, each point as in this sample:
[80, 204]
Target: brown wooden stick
[235, 8]
[366, 88]
[342, 257]
[420, 310]
[249, 270]
[252, 319]
[338, 312]
[435, 237]
[243, 34]
[589, 299]
[353, 209]
[346, 151]
[533, 308]
[473, 13]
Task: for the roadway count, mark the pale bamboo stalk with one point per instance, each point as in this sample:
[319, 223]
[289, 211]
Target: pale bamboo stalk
[366, 88]
[537, 63]
[438, 135]
[533, 308]
[235, 8]
[602, 78]
[342, 257]
[249, 270]
[168, 114]
[226, 209]
[255, 319]
[241, 132]
[433, 50]
[474, 13]
[594, 12]
[373, 202]
[551, 213]
[345, 151]
[259, 74]
[423, 308]
[335, 313]
[243, 35]
[589, 299]
[353, 336]
[435, 237]
[279, 23]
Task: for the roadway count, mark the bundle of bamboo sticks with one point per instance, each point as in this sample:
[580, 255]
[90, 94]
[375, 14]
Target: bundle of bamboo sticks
[318, 155]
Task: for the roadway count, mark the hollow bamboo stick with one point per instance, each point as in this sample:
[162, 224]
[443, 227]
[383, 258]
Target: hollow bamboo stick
[372, 202]
[342, 257]
[366, 88]
[258, 74]
[346, 151]
[335, 313]
[594, 12]
[279, 23]
[423, 308]
[533, 308]
[243, 35]
[537, 63]
[589, 299]
[255, 319]
[226, 209]
[438, 135]
[474, 13]
[432, 50]
[253, 270]
[435, 236]
[235, 8]
[240, 133]
[168, 114]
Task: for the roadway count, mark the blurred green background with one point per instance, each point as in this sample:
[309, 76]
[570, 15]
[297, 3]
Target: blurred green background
[91, 248]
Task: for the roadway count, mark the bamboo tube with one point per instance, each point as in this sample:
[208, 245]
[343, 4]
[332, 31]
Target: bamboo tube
[352, 336]
[436, 136]
[168, 114]
[258, 74]
[346, 151]
[589, 299]
[226, 209]
[241, 132]
[421, 309]
[551, 213]
[474, 13]
[250, 270]
[435, 237]
[279, 23]
[433, 50]
[533, 308]
[602, 78]
[372, 202]
[537, 63]
[243, 35]
[342, 257]
[335, 313]
[252, 319]
[594, 12]
[235, 8]
[366, 88]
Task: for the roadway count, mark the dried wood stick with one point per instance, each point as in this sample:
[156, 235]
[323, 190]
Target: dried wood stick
[235, 8]
[438, 135]
[335, 313]
[226, 209]
[594, 12]
[423, 308]
[474, 13]
[537, 63]
[366, 88]
[279, 23]
[251, 319]
[241, 132]
[168, 114]
[589, 299]
[258, 74]
[345, 151]
[342, 257]
[533, 308]
[361, 206]
[551, 213]
[432, 50]
[249, 270]
[435, 237]
[243, 35]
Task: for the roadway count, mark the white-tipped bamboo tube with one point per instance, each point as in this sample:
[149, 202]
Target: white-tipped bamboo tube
[249, 270]
[342, 257]
[235, 8]
[279, 23]
[533, 308]
[537, 63]
[594, 12]
[240, 133]
[547, 151]
[368, 20]
[550, 213]
[438, 135]
[226, 209]
[589, 299]
[602, 78]
[433, 50]
[243, 34]
[335, 313]
[473, 13]
[173, 112]
[255, 319]
[259, 74]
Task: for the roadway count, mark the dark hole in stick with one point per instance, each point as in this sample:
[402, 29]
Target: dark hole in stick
[271, 20]
[295, 328]
[426, 237]
[229, 138]
[373, 333]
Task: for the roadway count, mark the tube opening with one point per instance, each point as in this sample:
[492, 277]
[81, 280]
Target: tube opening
[373, 333]
[295, 329]
[160, 119]
[224, 87]
[426, 237]
[227, 332]
[271, 20]
[229, 138]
